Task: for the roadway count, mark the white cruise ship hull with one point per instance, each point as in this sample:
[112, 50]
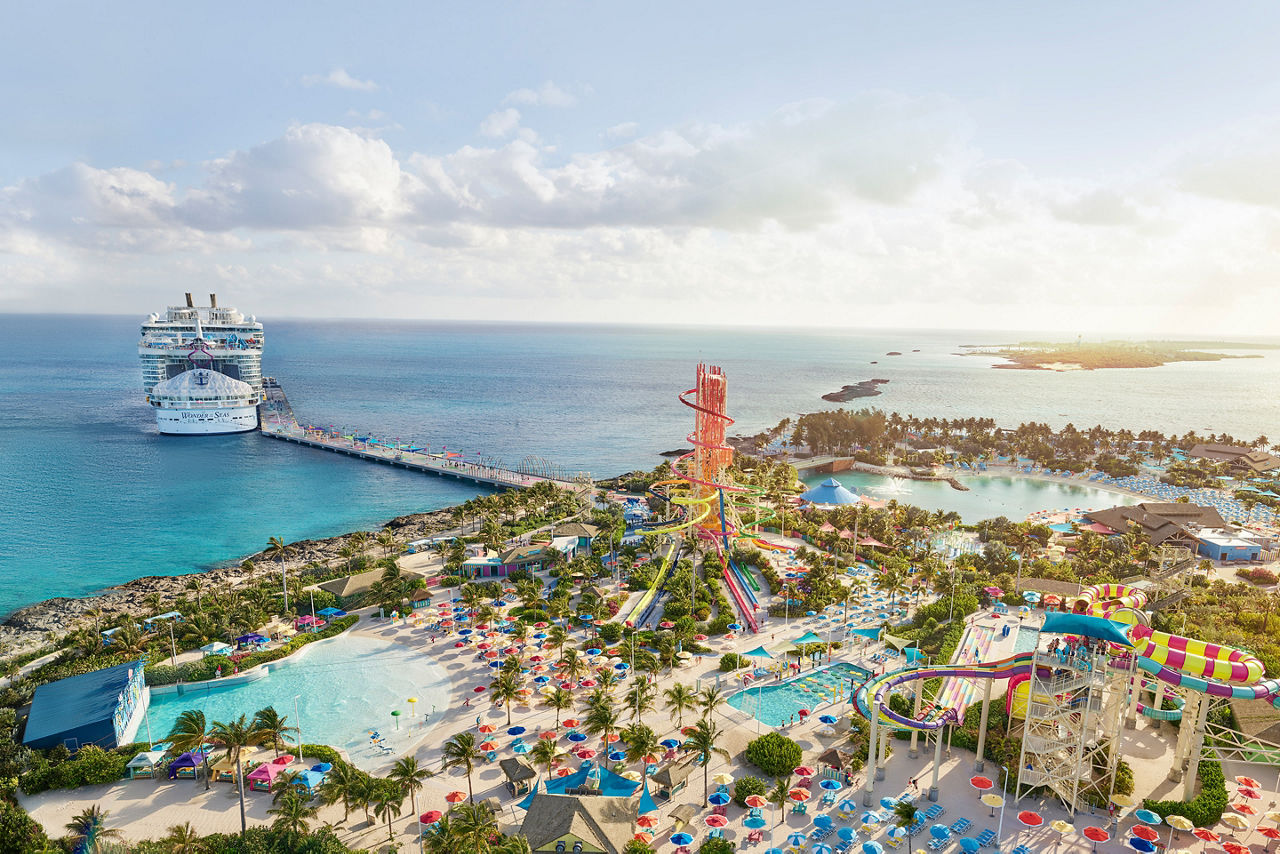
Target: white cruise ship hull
[207, 422]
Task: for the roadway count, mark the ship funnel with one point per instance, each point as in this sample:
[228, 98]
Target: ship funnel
[190, 302]
[213, 300]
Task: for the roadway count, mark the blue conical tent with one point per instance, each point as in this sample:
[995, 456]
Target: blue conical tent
[758, 652]
[646, 803]
[830, 493]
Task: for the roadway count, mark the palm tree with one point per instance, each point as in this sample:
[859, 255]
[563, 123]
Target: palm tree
[905, 816]
[90, 829]
[560, 699]
[601, 720]
[545, 752]
[271, 726]
[505, 690]
[232, 738]
[292, 813]
[641, 741]
[182, 839]
[640, 698]
[191, 732]
[702, 739]
[473, 828]
[341, 784]
[130, 640]
[277, 549]
[778, 795]
[708, 700]
[388, 802]
[680, 698]
[460, 752]
[409, 776]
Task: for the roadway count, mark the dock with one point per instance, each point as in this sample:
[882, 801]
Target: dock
[275, 415]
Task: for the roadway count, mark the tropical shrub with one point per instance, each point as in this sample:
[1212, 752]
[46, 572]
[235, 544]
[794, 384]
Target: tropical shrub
[1206, 808]
[744, 787]
[774, 754]
[716, 846]
[732, 661]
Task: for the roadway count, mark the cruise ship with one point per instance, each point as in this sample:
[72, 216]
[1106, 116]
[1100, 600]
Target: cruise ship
[202, 369]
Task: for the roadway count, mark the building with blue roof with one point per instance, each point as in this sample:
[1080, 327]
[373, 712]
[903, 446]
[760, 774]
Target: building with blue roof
[104, 708]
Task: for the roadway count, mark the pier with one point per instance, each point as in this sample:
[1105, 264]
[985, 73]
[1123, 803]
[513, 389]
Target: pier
[278, 422]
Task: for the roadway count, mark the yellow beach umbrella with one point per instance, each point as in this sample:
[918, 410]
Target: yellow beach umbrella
[723, 779]
[1061, 826]
[1179, 822]
[1274, 815]
[1235, 822]
[993, 800]
[1124, 800]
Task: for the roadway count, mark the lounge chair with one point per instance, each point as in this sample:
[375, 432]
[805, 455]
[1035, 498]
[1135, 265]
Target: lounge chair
[961, 825]
[1021, 849]
[986, 837]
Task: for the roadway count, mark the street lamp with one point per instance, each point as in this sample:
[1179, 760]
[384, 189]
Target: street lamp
[297, 717]
[1003, 801]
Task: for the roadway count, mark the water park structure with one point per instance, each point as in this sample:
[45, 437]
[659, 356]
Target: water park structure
[1093, 665]
[706, 501]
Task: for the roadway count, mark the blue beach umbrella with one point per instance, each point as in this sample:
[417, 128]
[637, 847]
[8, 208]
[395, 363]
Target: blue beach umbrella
[828, 719]
[831, 785]
[872, 847]
[888, 803]
[516, 730]
[770, 851]
[969, 844]
[1147, 817]
[735, 627]
[577, 736]
[1142, 846]
[795, 840]
[669, 743]
[621, 665]
[681, 838]
[754, 822]
[847, 805]
[897, 832]
[820, 848]
[871, 818]
[822, 820]
[495, 664]
[939, 831]
[719, 799]
[586, 618]
[520, 747]
[616, 756]
[846, 834]
[541, 680]
[465, 632]
[593, 652]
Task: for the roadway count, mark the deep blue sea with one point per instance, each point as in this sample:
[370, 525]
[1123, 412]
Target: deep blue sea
[91, 495]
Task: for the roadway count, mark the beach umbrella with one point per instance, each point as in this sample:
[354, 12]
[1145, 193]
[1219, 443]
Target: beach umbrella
[549, 734]
[831, 785]
[796, 840]
[804, 713]
[577, 736]
[847, 805]
[981, 783]
[563, 772]
[846, 834]
[871, 818]
[799, 795]
[643, 836]
[1061, 826]
[722, 779]
[1235, 822]
[1124, 801]
[1142, 846]
[940, 831]
[1178, 822]
[805, 771]
[716, 821]
[1206, 834]
[888, 803]
[896, 832]
[516, 730]
[1235, 848]
[828, 719]
[872, 847]
[1147, 817]
[647, 821]
[1095, 835]
[681, 838]
[520, 747]
[1270, 832]
[821, 848]
[1244, 809]
[1246, 792]
[993, 800]
[485, 729]
[488, 745]
[456, 797]
[719, 799]
[1248, 782]
[757, 801]
[1030, 818]
[969, 845]
[617, 755]
[586, 753]
[570, 722]
[754, 822]
[479, 689]
[430, 816]
[1142, 831]
[631, 775]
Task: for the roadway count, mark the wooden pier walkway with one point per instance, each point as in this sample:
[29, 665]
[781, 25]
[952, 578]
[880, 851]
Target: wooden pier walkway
[278, 422]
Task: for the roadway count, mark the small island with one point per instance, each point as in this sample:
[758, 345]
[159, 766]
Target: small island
[866, 388]
[1057, 356]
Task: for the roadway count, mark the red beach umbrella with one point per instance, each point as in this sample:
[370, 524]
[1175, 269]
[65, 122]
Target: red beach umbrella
[1251, 793]
[586, 753]
[1248, 782]
[1030, 819]
[804, 713]
[563, 772]
[459, 645]
[799, 795]
[456, 797]
[716, 821]
[758, 801]
[570, 722]
[430, 816]
[549, 734]
[1143, 832]
[981, 783]
[1235, 848]
[1244, 809]
[1206, 834]
[488, 745]
[479, 689]
[1095, 835]
[647, 821]
[485, 729]
[805, 771]
[1270, 832]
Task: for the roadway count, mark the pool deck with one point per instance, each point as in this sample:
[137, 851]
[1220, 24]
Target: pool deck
[146, 809]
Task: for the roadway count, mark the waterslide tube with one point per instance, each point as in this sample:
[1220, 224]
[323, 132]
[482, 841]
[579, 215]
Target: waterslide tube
[1102, 600]
[874, 691]
[658, 579]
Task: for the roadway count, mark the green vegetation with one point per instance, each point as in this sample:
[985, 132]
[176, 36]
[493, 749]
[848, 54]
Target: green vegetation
[774, 754]
[1206, 808]
[745, 787]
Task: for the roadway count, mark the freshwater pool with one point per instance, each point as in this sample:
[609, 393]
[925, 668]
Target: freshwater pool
[775, 703]
[1026, 640]
[346, 686]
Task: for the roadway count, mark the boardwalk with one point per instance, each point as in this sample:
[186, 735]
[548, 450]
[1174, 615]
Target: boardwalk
[278, 422]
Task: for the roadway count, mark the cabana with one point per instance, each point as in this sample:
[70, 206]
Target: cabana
[331, 613]
[188, 766]
[309, 623]
[311, 780]
[145, 764]
[216, 648]
[150, 622]
[224, 770]
[830, 493]
[671, 778]
[519, 776]
[261, 778]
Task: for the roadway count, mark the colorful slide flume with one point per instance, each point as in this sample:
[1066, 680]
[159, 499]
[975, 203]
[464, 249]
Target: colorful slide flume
[875, 691]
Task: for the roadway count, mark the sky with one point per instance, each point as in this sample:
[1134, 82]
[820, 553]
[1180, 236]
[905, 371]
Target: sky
[1089, 167]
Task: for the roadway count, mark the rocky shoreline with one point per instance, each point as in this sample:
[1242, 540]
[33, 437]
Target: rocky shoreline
[35, 626]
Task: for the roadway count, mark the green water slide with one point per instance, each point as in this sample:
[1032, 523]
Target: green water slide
[658, 578]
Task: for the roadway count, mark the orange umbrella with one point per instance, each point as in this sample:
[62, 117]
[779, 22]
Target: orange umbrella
[485, 729]
[456, 797]
[757, 801]
[488, 745]
[647, 821]
[799, 795]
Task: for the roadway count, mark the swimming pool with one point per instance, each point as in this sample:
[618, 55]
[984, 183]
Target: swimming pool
[346, 686]
[1026, 640]
[775, 703]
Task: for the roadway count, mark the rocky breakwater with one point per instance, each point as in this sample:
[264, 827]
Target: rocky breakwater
[45, 623]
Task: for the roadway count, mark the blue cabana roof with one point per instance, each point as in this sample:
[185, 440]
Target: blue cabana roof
[1086, 626]
[808, 638]
[832, 492]
[646, 802]
[611, 785]
[78, 708]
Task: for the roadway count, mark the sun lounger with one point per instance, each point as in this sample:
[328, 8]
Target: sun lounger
[961, 825]
[986, 837]
[1021, 849]
[934, 811]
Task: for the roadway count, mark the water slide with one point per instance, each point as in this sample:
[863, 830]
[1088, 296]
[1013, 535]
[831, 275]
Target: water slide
[658, 579]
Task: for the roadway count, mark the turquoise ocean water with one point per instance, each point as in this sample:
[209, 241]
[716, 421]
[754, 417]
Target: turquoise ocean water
[91, 495]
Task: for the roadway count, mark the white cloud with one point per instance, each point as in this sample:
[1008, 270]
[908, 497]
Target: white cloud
[624, 130]
[876, 210]
[340, 79]
[500, 123]
[546, 95]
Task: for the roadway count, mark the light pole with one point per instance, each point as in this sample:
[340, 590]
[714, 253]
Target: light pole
[1003, 801]
[173, 648]
[952, 615]
[297, 717]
